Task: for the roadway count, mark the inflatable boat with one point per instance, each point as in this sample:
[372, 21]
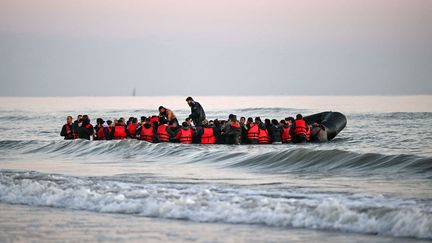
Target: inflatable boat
[330, 125]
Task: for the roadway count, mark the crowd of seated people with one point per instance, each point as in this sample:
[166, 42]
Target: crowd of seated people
[159, 129]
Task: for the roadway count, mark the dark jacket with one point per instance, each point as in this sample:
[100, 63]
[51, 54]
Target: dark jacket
[197, 113]
[85, 131]
[75, 125]
[67, 133]
[217, 134]
[244, 129]
[232, 134]
[275, 133]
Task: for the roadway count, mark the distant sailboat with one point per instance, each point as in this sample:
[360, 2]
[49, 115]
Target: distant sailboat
[134, 92]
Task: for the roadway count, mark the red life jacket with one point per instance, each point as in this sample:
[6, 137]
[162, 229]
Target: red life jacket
[147, 134]
[185, 136]
[286, 137]
[263, 136]
[234, 124]
[132, 129]
[163, 133]
[120, 132]
[69, 133]
[253, 132]
[154, 119]
[101, 133]
[208, 136]
[308, 134]
[300, 127]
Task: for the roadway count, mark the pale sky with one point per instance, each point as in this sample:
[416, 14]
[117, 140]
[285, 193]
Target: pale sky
[198, 47]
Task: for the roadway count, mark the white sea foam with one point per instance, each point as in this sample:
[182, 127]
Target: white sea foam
[283, 207]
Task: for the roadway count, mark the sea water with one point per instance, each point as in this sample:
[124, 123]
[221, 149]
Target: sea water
[372, 183]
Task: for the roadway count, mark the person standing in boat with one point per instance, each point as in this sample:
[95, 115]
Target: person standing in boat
[197, 112]
[68, 130]
[168, 114]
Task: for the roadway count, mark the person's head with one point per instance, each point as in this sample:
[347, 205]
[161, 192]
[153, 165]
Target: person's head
[68, 119]
[258, 120]
[282, 122]
[234, 118]
[188, 121]
[79, 118]
[100, 121]
[211, 123]
[185, 125]
[250, 120]
[299, 117]
[231, 117]
[109, 122]
[275, 122]
[267, 122]
[143, 118]
[86, 119]
[122, 120]
[205, 123]
[243, 119]
[162, 109]
[262, 126]
[135, 120]
[130, 119]
[216, 123]
[147, 121]
[189, 100]
[155, 124]
[290, 120]
[116, 122]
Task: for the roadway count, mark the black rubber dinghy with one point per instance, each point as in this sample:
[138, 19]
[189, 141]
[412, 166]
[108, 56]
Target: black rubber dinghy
[331, 124]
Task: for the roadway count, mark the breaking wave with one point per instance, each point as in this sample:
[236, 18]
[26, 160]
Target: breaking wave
[209, 202]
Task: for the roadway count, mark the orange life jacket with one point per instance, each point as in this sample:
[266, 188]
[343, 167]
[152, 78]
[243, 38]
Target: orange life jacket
[185, 136]
[208, 136]
[300, 127]
[163, 133]
[253, 132]
[234, 124]
[286, 137]
[132, 129]
[263, 136]
[146, 134]
[120, 132]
